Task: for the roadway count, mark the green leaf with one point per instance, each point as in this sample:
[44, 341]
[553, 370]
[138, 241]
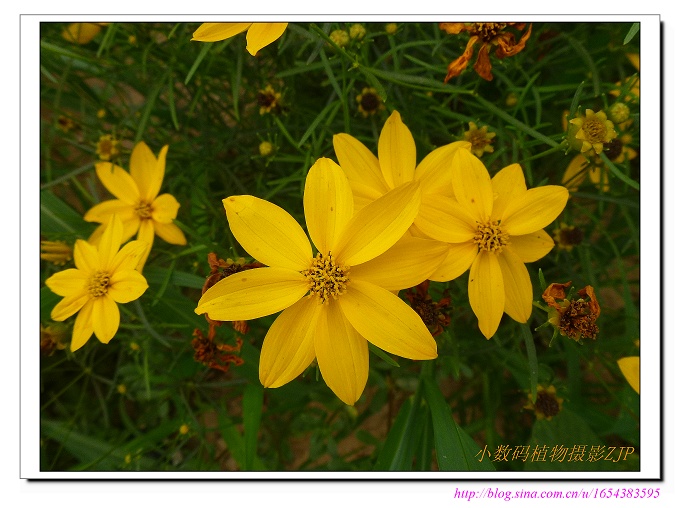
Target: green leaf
[158, 275]
[205, 47]
[329, 111]
[48, 300]
[58, 218]
[533, 360]
[456, 450]
[252, 415]
[382, 355]
[631, 33]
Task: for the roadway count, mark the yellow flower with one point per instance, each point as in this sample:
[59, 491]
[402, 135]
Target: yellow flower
[391, 28]
[369, 102]
[266, 148]
[371, 177]
[490, 35]
[357, 31]
[259, 34]
[103, 276]
[108, 147]
[340, 37]
[141, 209]
[82, 33]
[618, 151]
[480, 139]
[349, 283]
[594, 130]
[630, 367]
[58, 253]
[493, 227]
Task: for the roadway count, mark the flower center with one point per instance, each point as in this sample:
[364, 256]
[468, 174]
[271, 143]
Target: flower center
[595, 130]
[144, 210]
[487, 31]
[99, 283]
[326, 278]
[490, 236]
[547, 404]
[369, 102]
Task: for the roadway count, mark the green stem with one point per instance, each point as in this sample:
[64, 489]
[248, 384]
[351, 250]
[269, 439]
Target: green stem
[533, 360]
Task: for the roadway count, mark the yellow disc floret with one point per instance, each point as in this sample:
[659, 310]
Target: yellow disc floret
[490, 236]
[99, 283]
[326, 278]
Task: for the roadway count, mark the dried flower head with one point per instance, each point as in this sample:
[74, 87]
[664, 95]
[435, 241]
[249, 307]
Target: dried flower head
[567, 237]
[213, 355]
[547, 404]
[490, 35]
[573, 318]
[369, 102]
[53, 337]
[434, 314]
[269, 100]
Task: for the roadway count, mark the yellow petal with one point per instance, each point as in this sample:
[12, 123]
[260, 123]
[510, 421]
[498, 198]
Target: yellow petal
[170, 233]
[342, 354]
[328, 204]
[386, 321]
[145, 237]
[268, 233]
[85, 256]
[212, 32]
[67, 282]
[630, 367]
[486, 292]
[378, 226]
[444, 219]
[69, 305]
[472, 185]
[252, 294]
[147, 171]
[165, 209]
[109, 244]
[127, 285]
[396, 152]
[103, 211]
[459, 258]
[128, 256]
[517, 286]
[434, 171]
[507, 185]
[81, 33]
[263, 34]
[83, 328]
[531, 247]
[575, 173]
[105, 318]
[118, 182]
[361, 167]
[288, 347]
[534, 209]
[408, 263]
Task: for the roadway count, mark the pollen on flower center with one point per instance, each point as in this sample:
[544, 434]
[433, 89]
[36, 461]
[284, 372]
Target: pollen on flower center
[326, 278]
[595, 130]
[490, 236]
[99, 283]
[144, 210]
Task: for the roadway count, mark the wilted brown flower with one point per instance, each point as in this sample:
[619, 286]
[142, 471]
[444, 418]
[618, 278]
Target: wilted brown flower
[573, 318]
[433, 314]
[212, 355]
[490, 35]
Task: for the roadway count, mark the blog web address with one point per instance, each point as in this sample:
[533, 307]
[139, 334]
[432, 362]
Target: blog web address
[593, 493]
